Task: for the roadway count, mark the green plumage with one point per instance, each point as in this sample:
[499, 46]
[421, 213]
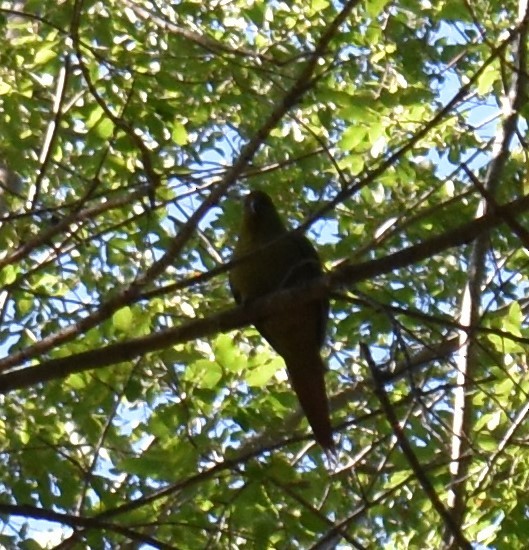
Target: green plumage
[282, 260]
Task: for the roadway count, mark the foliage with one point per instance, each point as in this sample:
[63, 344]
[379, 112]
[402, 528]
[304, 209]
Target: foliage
[137, 409]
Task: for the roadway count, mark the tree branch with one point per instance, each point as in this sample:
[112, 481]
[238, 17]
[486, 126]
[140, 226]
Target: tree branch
[28, 511]
[275, 304]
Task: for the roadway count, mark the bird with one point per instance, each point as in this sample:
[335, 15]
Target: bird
[268, 257]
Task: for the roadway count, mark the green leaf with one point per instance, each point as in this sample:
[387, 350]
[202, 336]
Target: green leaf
[318, 5]
[374, 7]
[512, 322]
[352, 136]
[123, 319]
[227, 354]
[354, 163]
[5, 88]
[179, 134]
[505, 345]
[8, 275]
[204, 374]
[260, 375]
[487, 79]
[45, 54]
[95, 115]
[105, 128]
[78, 381]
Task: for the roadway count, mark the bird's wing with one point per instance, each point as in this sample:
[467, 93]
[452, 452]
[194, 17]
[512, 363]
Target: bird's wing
[309, 320]
[305, 270]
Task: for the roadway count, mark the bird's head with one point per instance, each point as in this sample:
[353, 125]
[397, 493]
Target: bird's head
[261, 219]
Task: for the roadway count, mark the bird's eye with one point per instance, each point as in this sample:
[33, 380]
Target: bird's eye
[254, 204]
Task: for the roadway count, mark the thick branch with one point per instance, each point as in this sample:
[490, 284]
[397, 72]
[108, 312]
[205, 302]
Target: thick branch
[27, 511]
[275, 304]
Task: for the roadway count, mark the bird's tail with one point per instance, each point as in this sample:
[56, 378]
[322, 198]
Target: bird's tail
[308, 380]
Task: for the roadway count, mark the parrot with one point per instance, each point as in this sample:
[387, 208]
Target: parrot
[268, 257]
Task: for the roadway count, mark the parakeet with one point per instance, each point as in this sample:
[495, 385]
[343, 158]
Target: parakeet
[284, 259]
